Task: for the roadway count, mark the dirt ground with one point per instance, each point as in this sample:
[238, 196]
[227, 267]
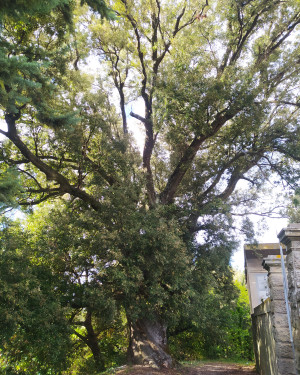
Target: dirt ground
[201, 369]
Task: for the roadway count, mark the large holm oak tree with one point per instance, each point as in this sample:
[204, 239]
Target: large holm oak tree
[220, 89]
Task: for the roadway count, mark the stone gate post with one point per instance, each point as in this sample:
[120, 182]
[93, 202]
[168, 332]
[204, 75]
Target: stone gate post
[283, 348]
[290, 236]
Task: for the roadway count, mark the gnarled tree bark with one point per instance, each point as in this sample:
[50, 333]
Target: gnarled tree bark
[148, 344]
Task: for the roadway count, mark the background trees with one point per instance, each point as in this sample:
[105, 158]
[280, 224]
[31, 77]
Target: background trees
[223, 330]
[62, 299]
[35, 336]
[219, 85]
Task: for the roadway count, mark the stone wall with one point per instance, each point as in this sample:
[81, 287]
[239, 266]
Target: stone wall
[273, 348]
[283, 346]
[290, 236]
[263, 339]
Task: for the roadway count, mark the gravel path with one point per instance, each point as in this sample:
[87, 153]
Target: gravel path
[202, 369]
[221, 369]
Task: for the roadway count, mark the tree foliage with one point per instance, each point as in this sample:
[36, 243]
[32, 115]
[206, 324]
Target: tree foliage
[219, 86]
[33, 324]
[222, 331]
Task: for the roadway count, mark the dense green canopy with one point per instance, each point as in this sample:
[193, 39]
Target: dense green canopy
[149, 232]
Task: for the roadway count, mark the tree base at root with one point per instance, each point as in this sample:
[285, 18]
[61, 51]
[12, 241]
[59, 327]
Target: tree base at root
[148, 345]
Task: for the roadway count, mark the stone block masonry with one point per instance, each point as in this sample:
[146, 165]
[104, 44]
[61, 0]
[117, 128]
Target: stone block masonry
[290, 236]
[272, 344]
[283, 347]
[264, 340]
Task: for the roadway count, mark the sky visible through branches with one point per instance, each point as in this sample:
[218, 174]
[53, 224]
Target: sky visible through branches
[266, 226]
[267, 223]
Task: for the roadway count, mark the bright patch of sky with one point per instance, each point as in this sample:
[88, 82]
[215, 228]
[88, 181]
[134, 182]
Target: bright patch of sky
[266, 227]
[135, 126]
[268, 234]
[3, 125]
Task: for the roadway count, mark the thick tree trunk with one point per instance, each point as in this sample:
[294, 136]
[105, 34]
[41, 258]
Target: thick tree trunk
[148, 344]
[97, 356]
[92, 342]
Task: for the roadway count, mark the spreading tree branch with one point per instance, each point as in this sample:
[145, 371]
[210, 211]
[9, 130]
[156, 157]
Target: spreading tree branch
[277, 40]
[83, 338]
[38, 201]
[51, 174]
[186, 161]
[236, 175]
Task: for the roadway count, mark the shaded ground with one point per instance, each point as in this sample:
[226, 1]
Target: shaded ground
[199, 369]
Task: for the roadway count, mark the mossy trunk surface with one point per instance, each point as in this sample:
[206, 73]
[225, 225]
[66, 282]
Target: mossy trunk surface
[148, 344]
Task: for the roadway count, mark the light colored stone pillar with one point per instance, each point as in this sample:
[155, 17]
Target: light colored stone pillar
[283, 347]
[290, 236]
